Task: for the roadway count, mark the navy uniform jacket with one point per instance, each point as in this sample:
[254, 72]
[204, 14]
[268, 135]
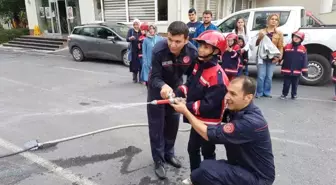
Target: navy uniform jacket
[295, 60]
[169, 69]
[231, 60]
[205, 90]
[247, 141]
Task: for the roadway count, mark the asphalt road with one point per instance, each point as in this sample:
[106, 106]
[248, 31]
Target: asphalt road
[49, 96]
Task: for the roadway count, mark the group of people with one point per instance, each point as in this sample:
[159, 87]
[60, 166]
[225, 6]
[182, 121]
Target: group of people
[216, 100]
[142, 38]
[206, 99]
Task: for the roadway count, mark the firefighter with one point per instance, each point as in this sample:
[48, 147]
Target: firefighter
[231, 57]
[244, 134]
[171, 58]
[333, 62]
[205, 90]
[294, 64]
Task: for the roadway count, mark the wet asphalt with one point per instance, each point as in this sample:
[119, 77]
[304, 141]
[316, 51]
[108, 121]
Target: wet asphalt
[49, 96]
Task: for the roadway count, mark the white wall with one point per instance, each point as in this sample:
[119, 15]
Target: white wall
[87, 11]
[31, 13]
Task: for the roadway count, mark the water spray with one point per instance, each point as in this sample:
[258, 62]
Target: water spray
[36, 145]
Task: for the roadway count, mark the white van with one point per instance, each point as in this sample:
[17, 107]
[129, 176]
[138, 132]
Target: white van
[320, 38]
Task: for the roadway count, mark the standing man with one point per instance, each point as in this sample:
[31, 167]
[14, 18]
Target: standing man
[207, 25]
[192, 24]
[245, 136]
[171, 58]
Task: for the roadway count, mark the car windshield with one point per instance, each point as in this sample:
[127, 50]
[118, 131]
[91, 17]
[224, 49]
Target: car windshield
[120, 29]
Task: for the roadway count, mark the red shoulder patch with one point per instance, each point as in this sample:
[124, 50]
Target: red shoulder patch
[186, 59]
[303, 48]
[229, 128]
[289, 46]
[236, 47]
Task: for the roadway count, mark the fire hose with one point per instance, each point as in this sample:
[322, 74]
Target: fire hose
[36, 145]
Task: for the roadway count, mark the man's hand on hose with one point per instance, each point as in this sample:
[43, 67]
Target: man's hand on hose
[166, 90]
[180, 105]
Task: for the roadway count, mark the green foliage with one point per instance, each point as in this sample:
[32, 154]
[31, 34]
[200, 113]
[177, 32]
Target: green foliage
[9, 7]
[7, 35]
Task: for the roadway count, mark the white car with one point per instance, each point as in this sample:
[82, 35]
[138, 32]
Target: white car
[320, 39]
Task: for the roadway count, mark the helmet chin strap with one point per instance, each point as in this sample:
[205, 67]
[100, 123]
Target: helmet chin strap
[210, 55]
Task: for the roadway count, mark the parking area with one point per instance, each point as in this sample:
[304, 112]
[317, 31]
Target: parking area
[47, 96]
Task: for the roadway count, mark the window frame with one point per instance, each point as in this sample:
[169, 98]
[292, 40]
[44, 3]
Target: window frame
[269, 12]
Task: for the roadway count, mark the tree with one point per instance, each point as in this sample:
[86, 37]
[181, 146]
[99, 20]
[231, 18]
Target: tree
[12, 11]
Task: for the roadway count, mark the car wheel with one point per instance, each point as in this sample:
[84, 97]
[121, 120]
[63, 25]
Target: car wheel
[125, 58]
[77, 54]
[319, 71]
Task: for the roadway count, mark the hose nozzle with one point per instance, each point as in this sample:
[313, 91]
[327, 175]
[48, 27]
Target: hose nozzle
[163, 102]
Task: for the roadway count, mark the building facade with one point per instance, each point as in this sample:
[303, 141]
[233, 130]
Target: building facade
[59, 17]
[323, 9]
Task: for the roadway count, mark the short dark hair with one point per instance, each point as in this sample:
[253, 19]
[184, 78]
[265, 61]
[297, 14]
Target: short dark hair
[249, 85]
[192, 10]
[207, 12]
[178, 28]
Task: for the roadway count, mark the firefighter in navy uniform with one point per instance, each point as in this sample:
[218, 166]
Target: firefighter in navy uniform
[294, 64]
[205, 90]
[171, 59]
[244, 134]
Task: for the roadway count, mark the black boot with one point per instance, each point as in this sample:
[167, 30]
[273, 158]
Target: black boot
[135, 77]
[159, 170]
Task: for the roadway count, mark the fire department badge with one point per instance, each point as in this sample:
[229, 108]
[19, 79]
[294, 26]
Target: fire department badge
[186, 59]
[228, 128]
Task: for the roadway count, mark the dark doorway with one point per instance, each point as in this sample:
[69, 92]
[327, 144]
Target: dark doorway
[63, 16]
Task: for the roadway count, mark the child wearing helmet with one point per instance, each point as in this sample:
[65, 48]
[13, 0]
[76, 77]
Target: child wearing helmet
[144, 29]
[231, 57]
[204, 92]
[294, 64]
[333, 63]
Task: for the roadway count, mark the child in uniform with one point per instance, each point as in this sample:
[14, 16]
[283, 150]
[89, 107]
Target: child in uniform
[294, 64]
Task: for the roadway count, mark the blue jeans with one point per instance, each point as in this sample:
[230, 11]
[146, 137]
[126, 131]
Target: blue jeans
[265, 76]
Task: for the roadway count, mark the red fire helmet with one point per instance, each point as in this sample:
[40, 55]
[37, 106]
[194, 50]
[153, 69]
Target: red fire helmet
[213, 38]
[299, 34]
[144, 26]
[232, 36]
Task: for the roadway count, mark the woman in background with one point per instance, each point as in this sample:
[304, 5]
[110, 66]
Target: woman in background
[147, 47]
[242, 32]
[266, 68]
[133, 37]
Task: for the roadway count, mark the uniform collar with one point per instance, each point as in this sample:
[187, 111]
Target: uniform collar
[211, 63]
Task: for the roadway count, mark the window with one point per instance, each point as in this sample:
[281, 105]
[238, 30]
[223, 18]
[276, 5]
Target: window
[141, 9]
[127, 11]
[98, 10]
[229, 24]
[260, 19]
[121, 30]
[249, 4]
[87, 31]
[103, 33]
[76, 31]
[162, 10]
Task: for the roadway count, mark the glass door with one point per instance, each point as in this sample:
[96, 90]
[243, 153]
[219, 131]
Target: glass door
[54, 17]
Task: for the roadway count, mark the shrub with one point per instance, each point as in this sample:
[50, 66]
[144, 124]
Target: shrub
[7, 35]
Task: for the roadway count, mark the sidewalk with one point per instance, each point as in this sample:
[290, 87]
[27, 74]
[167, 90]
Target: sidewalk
[61, 52]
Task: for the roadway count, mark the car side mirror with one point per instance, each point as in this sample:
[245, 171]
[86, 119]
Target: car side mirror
[111, 38]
